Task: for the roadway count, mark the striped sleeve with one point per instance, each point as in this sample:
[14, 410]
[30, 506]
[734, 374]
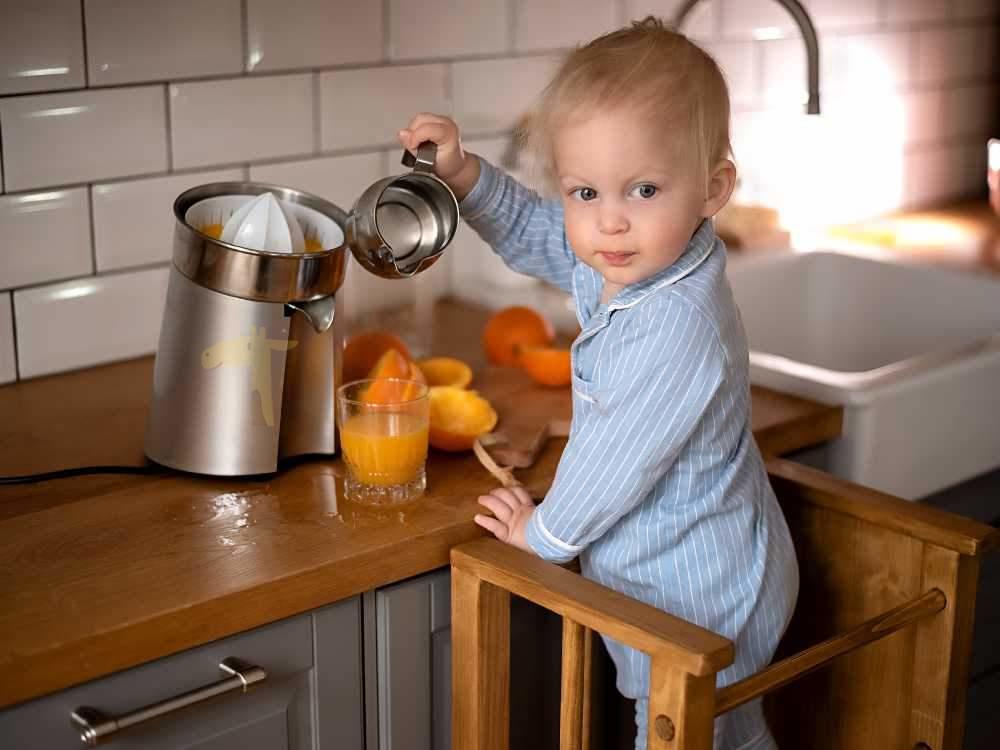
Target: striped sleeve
[526, 230]
[664, 378]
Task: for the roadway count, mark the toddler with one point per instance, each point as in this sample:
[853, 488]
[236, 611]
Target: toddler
[661, 490]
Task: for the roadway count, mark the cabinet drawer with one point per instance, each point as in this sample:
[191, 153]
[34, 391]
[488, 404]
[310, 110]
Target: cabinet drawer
[276, 713]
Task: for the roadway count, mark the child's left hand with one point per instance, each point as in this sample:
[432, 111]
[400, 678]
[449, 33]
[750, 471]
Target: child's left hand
[511, 510]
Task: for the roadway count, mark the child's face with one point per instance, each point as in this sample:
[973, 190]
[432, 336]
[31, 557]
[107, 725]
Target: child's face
[632, 196]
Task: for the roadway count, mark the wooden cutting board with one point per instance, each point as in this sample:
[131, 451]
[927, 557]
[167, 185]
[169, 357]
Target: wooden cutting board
[523, 407]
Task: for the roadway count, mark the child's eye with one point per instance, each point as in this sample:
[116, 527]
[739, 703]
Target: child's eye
[645, 191]
[584, 193]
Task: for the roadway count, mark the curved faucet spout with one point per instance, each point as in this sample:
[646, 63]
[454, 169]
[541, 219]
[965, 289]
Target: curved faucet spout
[809, 36]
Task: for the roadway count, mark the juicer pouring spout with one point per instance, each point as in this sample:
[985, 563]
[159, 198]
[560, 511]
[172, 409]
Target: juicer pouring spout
[319, 312]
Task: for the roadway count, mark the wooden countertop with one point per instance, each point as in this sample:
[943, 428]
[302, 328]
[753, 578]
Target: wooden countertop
[101, 573]
[963, 236]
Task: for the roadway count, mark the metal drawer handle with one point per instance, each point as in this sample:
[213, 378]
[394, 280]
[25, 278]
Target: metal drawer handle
[96, 725]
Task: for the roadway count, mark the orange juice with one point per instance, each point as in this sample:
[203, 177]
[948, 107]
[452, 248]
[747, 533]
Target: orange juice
[313, 245]
[384, 449]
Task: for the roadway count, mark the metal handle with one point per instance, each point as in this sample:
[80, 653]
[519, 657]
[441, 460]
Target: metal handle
[97, 726]
[424, 160]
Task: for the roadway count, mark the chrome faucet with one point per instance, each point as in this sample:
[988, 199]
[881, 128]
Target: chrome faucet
[805, 24]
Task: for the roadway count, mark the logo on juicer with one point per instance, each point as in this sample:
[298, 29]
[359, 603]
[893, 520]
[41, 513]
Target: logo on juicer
[253, 351]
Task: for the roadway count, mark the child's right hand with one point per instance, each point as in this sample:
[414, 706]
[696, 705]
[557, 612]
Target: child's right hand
[458, 169]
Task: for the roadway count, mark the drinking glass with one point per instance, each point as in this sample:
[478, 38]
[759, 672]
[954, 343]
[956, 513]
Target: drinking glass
[383, 436]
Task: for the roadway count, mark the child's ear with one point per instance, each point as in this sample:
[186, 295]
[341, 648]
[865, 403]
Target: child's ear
[721, 182]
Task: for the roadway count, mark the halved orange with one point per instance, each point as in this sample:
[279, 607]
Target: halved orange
[393, 376]
[446, 371]
[546, 365]
[362, 352]
[512, 328]
[458, 417]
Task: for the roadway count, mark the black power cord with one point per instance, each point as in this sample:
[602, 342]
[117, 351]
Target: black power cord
[80, 471]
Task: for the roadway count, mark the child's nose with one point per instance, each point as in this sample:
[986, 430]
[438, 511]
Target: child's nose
[612, 219]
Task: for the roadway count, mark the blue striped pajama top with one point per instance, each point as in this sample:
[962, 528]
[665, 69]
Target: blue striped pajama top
[661, 490]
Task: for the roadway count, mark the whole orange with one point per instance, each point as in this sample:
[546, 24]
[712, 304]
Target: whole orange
[546, 365]
[512, 328]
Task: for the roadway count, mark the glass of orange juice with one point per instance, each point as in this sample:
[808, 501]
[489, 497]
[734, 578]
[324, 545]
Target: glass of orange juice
[383, 436]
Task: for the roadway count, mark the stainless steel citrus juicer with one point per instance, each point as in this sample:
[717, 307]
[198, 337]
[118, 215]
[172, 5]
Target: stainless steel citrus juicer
[248, 361]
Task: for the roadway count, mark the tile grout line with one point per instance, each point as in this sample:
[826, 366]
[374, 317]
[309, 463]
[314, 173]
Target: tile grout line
[511, 53]
[116, 271]
[317, 107]
[93, 241]
[83, 32]
[244, 38]
[511, 26]
[13, 331]
[386, 30]
[170, 127]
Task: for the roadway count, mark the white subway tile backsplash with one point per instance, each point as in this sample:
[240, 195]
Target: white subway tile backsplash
[283, 34]
[57, 139]
[246, 119]
[134, 219]
[548, 24]
[739, 65]
[933, 174]
[41, 46]
[486, 97]
[8, 357]
[828, 15]
[89, 321]
[44, 237]
[909, 90]
[976, 9]
[150, 40]
[961, 54]
[969, 111]
[701, 23]
[339, 179]
[866, 63]
[759, 19]
[974, 162]
[445, 28]
[367, 107]
[923, 113]
[904, 11]
[473, 262]
[784, 62]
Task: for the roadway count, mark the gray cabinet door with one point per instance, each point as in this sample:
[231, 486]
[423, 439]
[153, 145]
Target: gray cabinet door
[276, 714]
[408, 640]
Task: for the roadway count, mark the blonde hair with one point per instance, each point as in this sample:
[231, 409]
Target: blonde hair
[644, 65]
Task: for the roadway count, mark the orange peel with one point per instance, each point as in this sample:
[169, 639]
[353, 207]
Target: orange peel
[458, 417]
[446, 371]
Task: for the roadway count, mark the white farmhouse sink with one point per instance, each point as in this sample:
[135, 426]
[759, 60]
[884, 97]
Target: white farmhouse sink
[912, 353]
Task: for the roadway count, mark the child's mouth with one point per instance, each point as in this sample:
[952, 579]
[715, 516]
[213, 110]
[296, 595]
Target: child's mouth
[616, 259]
